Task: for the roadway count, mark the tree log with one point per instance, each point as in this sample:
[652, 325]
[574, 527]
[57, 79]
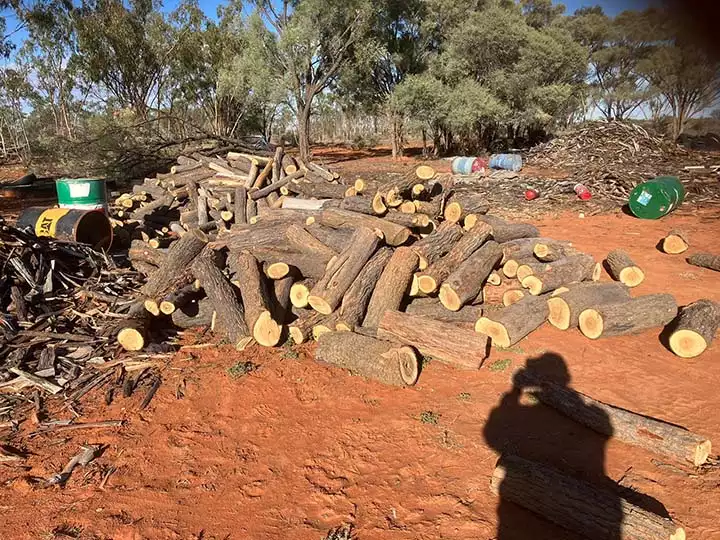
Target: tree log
[432, 208]
[394, 235]
[503, 231]
[436, 244]
[431, 278]
[512, 296]
[623, 269]
[394, 190]
[695, 329]
[278, 263]
[413, 221]
[230, 317]
[706, 260]
[461, 204]
[325, 325]
[320, 190]
[546, 277]
[676, 242]
[301, 329]
[466, 282]
[131, 333]
[565, 308]
[280, 299]
[552, 250]
[369, 357]
[196, 314]
[431, 308]
[578, 506]
[448, 342]
[355, 302]
[392, 285]
[335, 239]
[140, 251]
[622, 424]
[300, 292]
[240, 213]
[509, 325]
[256, 302]
[628, 317]
[372, 206]
[301, 240]
[178, 298]
[325, 297]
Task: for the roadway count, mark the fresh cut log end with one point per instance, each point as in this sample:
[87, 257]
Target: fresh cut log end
[696, 328]
[510, 268]
[427, 284]
[675, 242]
[453, 212]
[131, 339]
[167, 308]
[277, 270]
[494, 279]
[152, 307]
[319, 305]
[449, 298]
[512, 296]
[495, 331]
[425, 172]
[597, 272]
[532, 283]
[299, 295]
[266, 331]
[470, 221]
[559, 315]
[591, 323]
[631, 276]
[687, 343]
[296, 335]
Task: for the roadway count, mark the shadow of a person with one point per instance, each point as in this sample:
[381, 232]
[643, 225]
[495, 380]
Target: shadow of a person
[522, 427]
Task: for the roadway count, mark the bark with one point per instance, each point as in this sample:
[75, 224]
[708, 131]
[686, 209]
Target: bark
[368, 357]
[140, 251]
[300, 293]
[325, 297]
[695, 329]
[193, 315]
[540, 278]
[503, 231]
[551, 250]
[466, 282]
[174, 272]
[355, 302]
[372, 206]
[431, 308]
[509, 325]
[240, 213]
[462, 204]
[628, 317]
[392, 285]
[280, 299]
[301, 240]
[394, 190]
[436, 244]
[565, 308]
[271, 188]
[431, 278]
[301, 329]
[335, 239]
[623, 269]
[706, 260]
[320, 190]
[432, 208]
[394, 235]
[450, 343]
[675, 242]
[412, 221]
[178, 298]
[577, 505]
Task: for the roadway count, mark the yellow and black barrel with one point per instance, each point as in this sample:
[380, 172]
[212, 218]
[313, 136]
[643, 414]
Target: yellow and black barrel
[82, 226]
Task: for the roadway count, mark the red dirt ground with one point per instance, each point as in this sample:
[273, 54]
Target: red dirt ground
[296, 448]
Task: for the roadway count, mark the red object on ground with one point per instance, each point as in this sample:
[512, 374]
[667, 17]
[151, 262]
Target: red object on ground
[531, 194]
[479, 165]
[582, 192]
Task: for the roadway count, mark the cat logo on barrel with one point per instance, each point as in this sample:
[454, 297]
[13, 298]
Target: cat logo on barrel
[48, 220]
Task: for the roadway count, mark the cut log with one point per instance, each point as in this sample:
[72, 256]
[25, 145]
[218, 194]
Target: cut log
[326, 325]
[301, 329]
[448, 342]
[301, 240]
[551, 250]
[412, 221]
[394, 190]
[306, 205]
[540, 278]
[280, 299]
[494, 279]
[178, 298]
[436, 244]
[230, 317]
[431, 308]
[578, 506]
[408, 207]
[368, 357]
[319, 190]
[504, 231]
[462, 204]
[675, 242]
[394, 235]
[425, 172]
[256, 299]
[431, 278]
[624, 425]
[140, 251]
[193, 315]
[327, 294]
[240, 213]
[131, 333]
[335, 239]
[392, 285]
[509, 325]
[373, 206]
[628, 317]
[271, 188]
[174, 271]
[466, 282]
[300, 292]
[251, 236]
[279, 263]
[431, 208]
[355, 302]
[623, 269]
[706, 260]
[512, 296]
[565, 308]
[695, 329]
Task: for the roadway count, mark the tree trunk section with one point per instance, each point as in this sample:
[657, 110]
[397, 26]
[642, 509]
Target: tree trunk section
[436, 244]
[466, 282]
[546, 277]
[431, 308]
[565, 308]
[706, 260]
[301, 240]
[300, 293]
[392, 285]
[194, 315]
[503, 231]
[509, 325]
[355, 302]
[695, 329]
[462, 204]
[623, 269]
[448, 342]
[372, 206]
[394, 235]
[550, 250]
[301, 329]
[368, 357]
[628, 317]
[412, 221]
[676, 242]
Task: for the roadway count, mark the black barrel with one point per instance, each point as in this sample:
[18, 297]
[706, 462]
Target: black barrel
[82, 226]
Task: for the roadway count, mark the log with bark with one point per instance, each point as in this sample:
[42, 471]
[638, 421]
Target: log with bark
[466, 281]
[623, 269]
[393, 191]
[706, 260]
[368, 357]
[178, 298]
[392, 285]
[547, 277]
[412, 221]
[448, 342]
[509, 325]
[620, 423]
[553, 250]
[695, 328]
[461, 204]
[131, 332]
[436, 244]
[373, 206]
[394, 235]
[300, 292]
[301, 329]
[140, 251]
[301, 240]
[320, 190]
[504, 231]
[198, 313]
[327, 294]
[676, 242]
[628, 317]
[431, 278]
[578, 506]
[565, 308]
[512, 296]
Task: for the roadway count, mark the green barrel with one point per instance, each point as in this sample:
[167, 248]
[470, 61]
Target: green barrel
[657, 197]
[82, 193]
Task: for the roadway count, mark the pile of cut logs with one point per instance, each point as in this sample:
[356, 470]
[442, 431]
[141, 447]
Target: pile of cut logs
[259, 248]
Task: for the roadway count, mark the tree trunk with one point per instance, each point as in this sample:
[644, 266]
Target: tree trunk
[577, 505]
[675, 242]
[628, 317]
[369, 357]
[565, 308]
[623, 269]
[431, 308]
[540, 278]
[392, 285]
[193, 315]
[706, 260]
[695, 329]
[504, 231]
[301, 329]
[397, 143]
[467, 280]
[448, 342]
[304, 131]
[356, 299]
[394, 235]
[436, 244]
[509, 325]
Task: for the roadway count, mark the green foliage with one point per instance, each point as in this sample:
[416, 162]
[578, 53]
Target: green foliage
[429, 417]
[500, 365]
[240, 369]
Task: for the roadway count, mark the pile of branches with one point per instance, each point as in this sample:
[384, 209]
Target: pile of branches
[611, 158]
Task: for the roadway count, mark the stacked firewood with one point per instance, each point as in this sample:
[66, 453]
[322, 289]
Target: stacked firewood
[261, 249]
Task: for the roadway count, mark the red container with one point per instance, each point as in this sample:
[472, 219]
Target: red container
[531, 194]
[479, 165]
[582, 192]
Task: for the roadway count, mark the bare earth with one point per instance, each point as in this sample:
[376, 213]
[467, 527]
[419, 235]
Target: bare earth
[297, 448]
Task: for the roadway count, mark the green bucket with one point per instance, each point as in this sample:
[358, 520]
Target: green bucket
[657, 197]
[82, 193]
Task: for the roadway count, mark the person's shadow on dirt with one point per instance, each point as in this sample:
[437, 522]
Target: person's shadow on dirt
[521, 426]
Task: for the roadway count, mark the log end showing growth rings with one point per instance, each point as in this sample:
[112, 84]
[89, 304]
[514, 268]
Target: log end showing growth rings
[496, 331]
[687, 343]
[266, 331]
[299, 295]
[631, 276]
[277, 270]
[591, 323]
[702, 453]
[559, 315]
[425, 172]
[408, 364]
[131, 339]
[320, 305]
[449, 298]
[152, 306]
[427, 284]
